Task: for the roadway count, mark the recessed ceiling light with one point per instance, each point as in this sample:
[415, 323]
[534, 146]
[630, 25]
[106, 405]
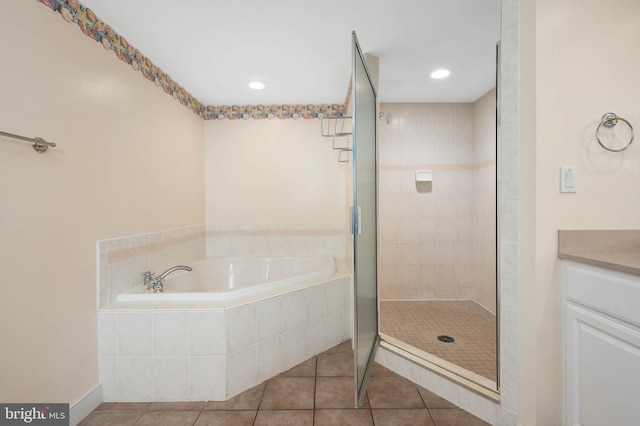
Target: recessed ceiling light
[441, 73]
[257, 85]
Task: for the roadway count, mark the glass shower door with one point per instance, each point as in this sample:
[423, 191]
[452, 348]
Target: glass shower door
[364, 221]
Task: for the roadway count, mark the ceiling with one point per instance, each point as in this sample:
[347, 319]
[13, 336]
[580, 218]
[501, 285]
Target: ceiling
[302, 49]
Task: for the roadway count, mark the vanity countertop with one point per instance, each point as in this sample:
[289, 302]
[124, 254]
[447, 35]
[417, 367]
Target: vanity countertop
[618, 250]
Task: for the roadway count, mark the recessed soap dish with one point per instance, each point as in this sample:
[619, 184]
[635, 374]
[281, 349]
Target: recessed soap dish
[424, 176]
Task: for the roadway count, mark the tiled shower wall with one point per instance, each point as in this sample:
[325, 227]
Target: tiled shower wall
[484, 201]
[430, 234]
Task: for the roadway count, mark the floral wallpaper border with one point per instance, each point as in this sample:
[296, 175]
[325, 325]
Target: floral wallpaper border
[72, 11]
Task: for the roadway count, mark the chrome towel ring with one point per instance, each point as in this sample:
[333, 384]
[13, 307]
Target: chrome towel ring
[609, 120]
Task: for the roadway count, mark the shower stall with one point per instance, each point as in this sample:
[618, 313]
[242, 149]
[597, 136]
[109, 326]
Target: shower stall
[437, 233]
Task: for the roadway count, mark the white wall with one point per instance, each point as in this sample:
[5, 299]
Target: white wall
[272, 171]
[128, 160]
[586, 64]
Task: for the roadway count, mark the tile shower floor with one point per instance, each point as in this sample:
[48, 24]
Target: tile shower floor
[318, 391]
[419, 323]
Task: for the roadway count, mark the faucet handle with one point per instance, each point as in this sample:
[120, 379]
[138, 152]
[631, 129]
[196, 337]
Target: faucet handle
[148, 279]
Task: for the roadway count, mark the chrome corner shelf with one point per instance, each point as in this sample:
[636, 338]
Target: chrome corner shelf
[334, 128]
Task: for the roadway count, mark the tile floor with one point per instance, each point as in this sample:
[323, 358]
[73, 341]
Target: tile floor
[318, 391]
[419, 323]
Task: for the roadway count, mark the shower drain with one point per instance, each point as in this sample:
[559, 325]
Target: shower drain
[446, 339]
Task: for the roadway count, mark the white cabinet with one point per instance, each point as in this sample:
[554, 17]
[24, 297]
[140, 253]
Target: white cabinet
[602, 346]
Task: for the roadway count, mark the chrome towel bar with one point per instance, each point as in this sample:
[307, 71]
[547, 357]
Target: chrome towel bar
[39, 145]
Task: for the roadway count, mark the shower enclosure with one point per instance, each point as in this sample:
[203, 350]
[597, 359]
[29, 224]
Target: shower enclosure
[428, 174]
[437, 260]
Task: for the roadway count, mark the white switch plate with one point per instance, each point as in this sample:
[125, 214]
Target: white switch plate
[568, 179]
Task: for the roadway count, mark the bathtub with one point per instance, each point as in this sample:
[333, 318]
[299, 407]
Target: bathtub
[227, 326]
[224, 278]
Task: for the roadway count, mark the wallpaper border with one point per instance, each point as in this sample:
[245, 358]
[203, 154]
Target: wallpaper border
[72, 11]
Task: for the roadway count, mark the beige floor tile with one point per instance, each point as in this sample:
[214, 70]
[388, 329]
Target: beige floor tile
[168, 418]
[284, 418]
[124, 406]
[393, 392]
[336, 392]
[111, 418]
[402, 417]
[304, 369]
[351, 417]
[289, 393]
[431, 400]
[336, 364]
[177, 406]
[247, 400]
[226, 418]
[455, 417]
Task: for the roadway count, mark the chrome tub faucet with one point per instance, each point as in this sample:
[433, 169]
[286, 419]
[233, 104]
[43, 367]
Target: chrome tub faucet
[157, 284]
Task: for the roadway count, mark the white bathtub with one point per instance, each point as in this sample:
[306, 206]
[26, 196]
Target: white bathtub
[223, 278]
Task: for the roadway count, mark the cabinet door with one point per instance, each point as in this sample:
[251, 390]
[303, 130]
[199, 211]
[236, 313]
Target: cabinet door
[603, 369]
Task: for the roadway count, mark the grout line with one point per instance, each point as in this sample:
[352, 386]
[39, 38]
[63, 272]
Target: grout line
[199, 414]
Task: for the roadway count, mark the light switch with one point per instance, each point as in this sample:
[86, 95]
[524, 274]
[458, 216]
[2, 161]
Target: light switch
[568, 182]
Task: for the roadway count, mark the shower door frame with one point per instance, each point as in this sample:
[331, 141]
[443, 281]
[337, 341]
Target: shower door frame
[364, 223]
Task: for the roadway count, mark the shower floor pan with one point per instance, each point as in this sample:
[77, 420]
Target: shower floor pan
[421, 323]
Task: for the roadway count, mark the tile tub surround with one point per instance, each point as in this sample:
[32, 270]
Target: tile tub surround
[121, 261]
[612, 249]
[288, 239]
[214, 351]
